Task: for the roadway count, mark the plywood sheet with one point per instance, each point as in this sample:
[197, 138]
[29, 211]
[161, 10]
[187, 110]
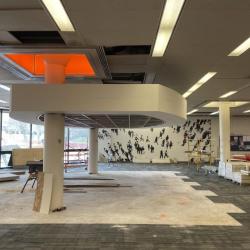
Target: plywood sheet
[39, 192]
[21, 155]
[46, 195]
[8, 177]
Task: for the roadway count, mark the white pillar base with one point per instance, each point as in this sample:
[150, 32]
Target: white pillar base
[93, 151]
[53, 158]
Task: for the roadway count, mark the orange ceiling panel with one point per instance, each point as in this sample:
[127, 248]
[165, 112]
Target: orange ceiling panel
[78, 64]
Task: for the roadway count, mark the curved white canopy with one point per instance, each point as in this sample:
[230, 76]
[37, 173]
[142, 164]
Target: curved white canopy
[29, 101]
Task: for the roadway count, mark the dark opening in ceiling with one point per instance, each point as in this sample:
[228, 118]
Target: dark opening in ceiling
[128, 50]
[128, 77]
[38, 37]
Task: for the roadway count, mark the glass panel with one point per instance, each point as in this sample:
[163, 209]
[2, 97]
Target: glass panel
[66, 140]
[78, 140]
[37, 136]
[15, 134]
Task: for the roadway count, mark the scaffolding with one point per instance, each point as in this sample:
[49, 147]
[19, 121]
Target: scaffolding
[198, 155]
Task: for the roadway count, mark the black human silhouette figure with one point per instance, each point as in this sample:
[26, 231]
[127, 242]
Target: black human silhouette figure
[193, 136]
[166, 154]
[161, 154]
[178, 129]
[184, 142]
[205, 134]
[156, 140]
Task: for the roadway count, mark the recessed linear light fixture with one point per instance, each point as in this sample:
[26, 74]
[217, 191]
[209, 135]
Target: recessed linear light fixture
[228, 94]
[215, 113]
[246, 111]
[197, 85]
[1, 101]
[217, 104]
[4, 87]
[169, 18]
[59, 14]
[241, 48]
[192, 111]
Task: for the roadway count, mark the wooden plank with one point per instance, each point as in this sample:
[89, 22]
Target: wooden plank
[47, 192]
[88, 178]
[93, 185]
[39, 192]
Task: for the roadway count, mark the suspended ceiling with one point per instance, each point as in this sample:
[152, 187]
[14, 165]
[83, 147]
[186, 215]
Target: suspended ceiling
[206, 32]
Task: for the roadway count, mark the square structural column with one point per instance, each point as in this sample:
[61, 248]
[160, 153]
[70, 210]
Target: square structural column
[93, 151]
[224, 121]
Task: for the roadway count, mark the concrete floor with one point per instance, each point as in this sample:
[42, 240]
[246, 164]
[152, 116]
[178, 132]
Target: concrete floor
[144, 197]
[157, 207]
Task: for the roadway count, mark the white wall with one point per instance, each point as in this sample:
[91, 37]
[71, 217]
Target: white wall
[239, 126]
[172, 144]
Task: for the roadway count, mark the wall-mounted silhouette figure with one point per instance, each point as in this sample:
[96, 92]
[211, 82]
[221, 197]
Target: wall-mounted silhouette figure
[161, 154]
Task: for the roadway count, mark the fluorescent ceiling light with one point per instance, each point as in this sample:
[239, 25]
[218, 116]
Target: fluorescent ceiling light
[215, 113]
[197, 85]
[1, 101]
[246, 111]
[59, 14]
[4, 87]
[217, 104]
[169, 18]
[192, 111]
[228, 94]
[241, 48]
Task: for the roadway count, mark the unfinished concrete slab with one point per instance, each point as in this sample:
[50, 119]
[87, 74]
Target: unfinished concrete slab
[150, 198]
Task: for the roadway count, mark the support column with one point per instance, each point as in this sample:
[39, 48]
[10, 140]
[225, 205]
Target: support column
[93, 151]
[55, 68]
[224, 117]
[53, 156]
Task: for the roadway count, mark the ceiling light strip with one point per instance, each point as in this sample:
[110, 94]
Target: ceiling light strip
[4, 87]
[192, 111]
[59, 15]
[197, 85]
[232, 104]
[228, 94]
[215, 113]
[169, 18]
[241, 48]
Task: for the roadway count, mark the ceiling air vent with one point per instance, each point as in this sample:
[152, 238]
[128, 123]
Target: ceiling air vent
[128, 50]
[127, 77]
[29, 37]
